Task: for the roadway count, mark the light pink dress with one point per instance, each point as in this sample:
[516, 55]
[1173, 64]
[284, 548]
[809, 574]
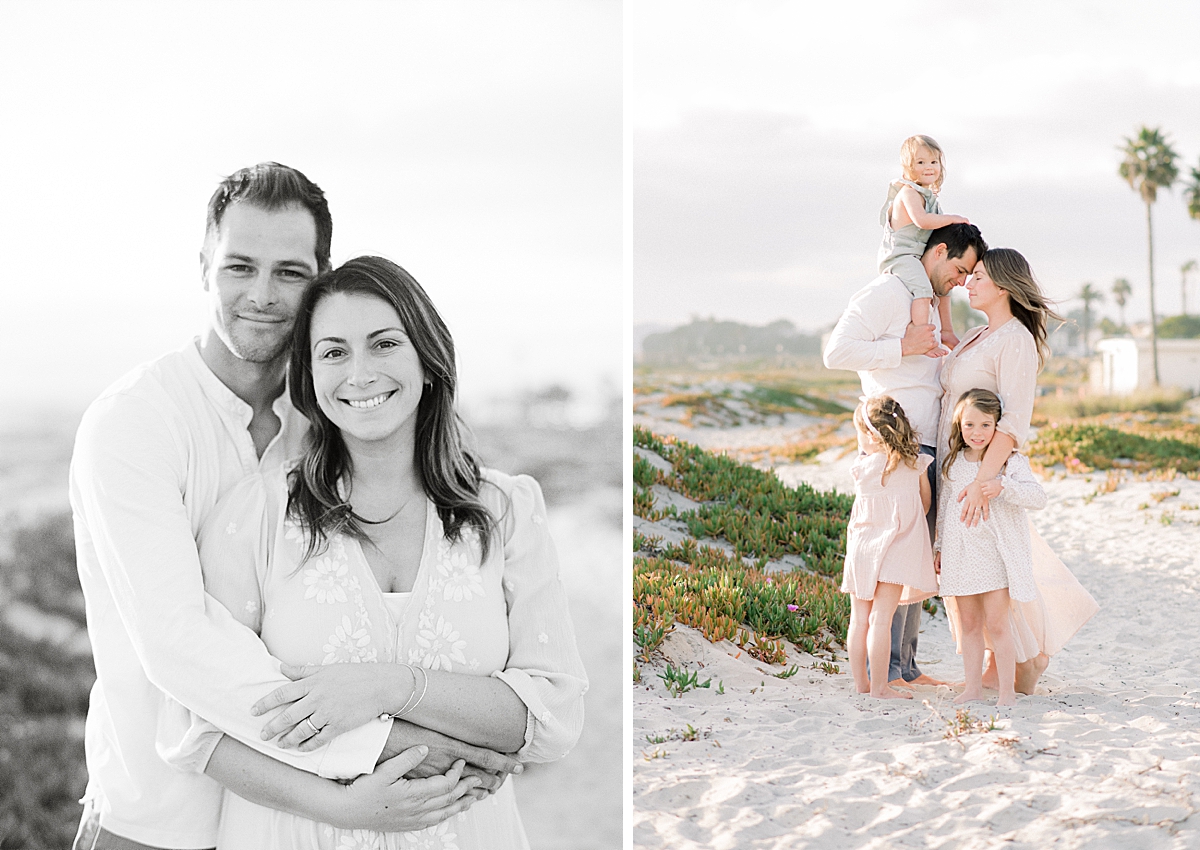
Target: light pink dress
[887, 538]
[1006, 362]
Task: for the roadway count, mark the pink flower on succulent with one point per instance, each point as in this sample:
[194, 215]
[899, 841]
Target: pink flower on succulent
[793, 608]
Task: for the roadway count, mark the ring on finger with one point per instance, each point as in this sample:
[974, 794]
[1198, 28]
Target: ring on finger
[312, 726]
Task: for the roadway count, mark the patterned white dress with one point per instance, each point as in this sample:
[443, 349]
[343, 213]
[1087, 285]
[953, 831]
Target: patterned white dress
[994, 553]
[505, 617]
[1006, 362]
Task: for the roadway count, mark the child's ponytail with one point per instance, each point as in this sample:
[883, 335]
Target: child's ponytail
[884, 419]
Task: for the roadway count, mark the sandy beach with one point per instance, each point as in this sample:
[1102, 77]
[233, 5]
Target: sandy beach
[1106, 754]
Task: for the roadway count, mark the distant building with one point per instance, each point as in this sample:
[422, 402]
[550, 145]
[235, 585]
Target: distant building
[1125, 364]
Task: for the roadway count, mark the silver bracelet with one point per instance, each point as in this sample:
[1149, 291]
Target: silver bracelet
[405, 708]
[424, 687]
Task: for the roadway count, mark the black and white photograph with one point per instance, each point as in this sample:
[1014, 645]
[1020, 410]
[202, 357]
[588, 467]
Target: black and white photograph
[310, 455]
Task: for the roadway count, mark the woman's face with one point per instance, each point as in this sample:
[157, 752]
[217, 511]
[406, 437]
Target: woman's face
[983, 291]
[367, 376]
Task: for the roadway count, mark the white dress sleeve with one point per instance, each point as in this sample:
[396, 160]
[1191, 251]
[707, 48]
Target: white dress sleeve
[1021, 488]
[1016, 383]
[543, 667]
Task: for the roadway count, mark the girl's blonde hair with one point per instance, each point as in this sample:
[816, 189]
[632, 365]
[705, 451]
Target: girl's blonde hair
[987, 403]
[908, 157]
[1011, 272]
[883, 418]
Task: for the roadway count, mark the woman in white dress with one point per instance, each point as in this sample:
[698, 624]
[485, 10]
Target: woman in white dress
[1005, 356]
[387, 544]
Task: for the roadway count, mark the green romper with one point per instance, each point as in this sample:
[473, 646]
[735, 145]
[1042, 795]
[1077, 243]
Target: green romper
[901, 250]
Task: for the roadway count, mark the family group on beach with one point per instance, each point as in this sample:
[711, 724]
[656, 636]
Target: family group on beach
[941, 486]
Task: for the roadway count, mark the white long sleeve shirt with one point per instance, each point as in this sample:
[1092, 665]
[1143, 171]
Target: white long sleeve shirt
[866, 340]
[152, 456]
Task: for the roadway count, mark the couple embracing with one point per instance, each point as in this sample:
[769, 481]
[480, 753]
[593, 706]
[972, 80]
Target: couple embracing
[1025, 604]
[317, 622]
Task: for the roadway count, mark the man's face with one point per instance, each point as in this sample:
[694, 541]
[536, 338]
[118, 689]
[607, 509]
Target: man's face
[945, 272]
[255, 269]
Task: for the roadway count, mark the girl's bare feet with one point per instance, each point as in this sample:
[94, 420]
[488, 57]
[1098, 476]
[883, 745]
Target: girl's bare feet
[969, 696]
[889, 692]
[1028, 673]
[991, 680]
[1007, 700]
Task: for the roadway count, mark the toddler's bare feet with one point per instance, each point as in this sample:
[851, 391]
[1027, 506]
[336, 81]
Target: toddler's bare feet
[969, 696]
[1028, 673]
[891, 693]
[937, 351]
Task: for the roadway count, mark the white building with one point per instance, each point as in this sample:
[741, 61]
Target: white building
[1125, 364]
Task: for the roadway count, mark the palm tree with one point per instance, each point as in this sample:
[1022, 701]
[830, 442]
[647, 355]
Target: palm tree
[1121, 291]
[1184, 270]
[1087, 295]
[1149, 165]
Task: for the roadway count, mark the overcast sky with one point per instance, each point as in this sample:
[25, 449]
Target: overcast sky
[478, 144]
[765, 135]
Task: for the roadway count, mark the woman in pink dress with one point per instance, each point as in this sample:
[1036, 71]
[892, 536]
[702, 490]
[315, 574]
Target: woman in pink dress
[1005, 356]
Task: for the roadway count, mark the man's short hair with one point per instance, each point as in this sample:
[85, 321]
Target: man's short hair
[958, 238]
[272, 186]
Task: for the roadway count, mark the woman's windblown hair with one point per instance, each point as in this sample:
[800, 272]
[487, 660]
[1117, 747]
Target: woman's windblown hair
[884, 419]
[318, 488]
[1011, 272]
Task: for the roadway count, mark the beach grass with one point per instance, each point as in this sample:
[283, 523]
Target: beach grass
[729, 594]
[1140, 442]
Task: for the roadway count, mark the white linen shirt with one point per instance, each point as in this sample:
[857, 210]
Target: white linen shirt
[866, 340]
[153, 454]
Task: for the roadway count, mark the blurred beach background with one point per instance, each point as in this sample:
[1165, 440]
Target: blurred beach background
[478, 145]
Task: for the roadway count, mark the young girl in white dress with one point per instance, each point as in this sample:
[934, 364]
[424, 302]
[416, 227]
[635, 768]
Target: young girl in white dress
[908, 216]
[889, 560]
[985, 566]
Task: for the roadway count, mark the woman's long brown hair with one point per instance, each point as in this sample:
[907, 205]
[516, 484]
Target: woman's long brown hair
[318, 491]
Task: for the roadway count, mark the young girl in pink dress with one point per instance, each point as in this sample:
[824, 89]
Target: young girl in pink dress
[889, 560]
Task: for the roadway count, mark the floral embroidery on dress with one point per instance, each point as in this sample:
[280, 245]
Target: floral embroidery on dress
[434, 838]
[462, 585]
[326, 580]
[438, 647]
[360, 839]
[543, 638]
[231, 528]
[348, 644]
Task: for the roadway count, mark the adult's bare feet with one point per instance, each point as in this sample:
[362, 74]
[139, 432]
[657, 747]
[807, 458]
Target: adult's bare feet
[1028, 673]
[891, 693]
[927, 680]
[898, 683]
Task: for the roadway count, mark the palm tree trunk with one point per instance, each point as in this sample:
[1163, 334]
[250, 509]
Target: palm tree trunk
[1153, 317]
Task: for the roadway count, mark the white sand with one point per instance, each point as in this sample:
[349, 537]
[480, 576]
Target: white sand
[1105, 755]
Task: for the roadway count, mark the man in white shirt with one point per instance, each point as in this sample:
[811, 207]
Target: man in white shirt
[152, 457]
[875, 338]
